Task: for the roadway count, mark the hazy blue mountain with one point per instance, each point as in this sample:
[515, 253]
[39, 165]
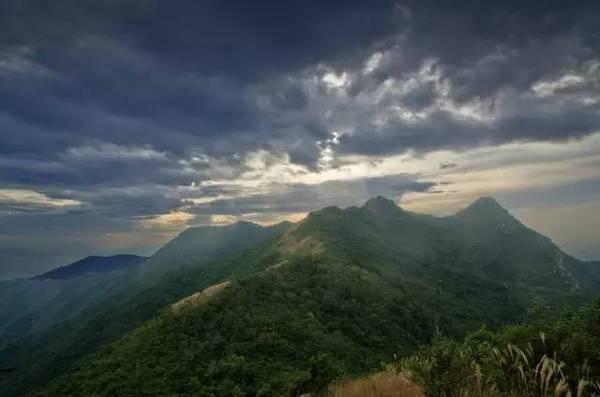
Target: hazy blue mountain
[35, 304]
[339, 292]
[94, 264]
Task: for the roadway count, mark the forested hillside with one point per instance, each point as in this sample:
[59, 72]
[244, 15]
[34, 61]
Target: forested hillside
[172, 273]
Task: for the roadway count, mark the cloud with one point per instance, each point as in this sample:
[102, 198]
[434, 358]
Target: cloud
[523, 175]
[117, 113]
[16, 200]
[396, 83]
[16, 62]
[302, 197]
[428, 109]
[172, 220]
[445, 166]
[112, 152]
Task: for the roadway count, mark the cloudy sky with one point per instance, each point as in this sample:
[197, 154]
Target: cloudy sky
[123, 122]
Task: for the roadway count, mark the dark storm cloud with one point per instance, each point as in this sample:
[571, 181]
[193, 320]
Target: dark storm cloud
[178, 74]
[136, 202]
[421, 97]
[220, 74]
[241, 38]
[463, 35]
[492, 53]
[534, 121]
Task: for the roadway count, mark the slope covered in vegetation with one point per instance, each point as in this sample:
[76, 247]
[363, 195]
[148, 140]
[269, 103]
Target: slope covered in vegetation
[553, 355]
[179, 269]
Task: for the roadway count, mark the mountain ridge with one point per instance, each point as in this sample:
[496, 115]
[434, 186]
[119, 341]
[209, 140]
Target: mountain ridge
[339, 276]
[93, 264]
[482, 228]
[342, 289]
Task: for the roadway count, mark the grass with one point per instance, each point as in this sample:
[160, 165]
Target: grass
[521, 376]
[199, 298]
[383, 384]
[529, 377]
[539, 367]
[511, 371]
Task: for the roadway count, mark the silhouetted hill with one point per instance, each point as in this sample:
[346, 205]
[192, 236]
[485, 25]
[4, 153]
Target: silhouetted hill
[94, 264]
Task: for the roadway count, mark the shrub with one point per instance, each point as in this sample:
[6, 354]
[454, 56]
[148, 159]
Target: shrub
[451, 369]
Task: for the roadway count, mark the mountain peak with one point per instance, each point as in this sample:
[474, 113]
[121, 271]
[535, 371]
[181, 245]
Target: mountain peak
[485, 208]
[487, 203]
[381, 204]
[489, 200]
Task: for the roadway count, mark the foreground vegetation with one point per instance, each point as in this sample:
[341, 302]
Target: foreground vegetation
[388, 383]
[559, 357]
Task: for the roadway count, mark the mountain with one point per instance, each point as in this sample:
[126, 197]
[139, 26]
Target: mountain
[483, 240]
[488, 210]
[93, 264]
[201, 244]
[195, 259]
[35, 304]
[381, 205]
[336, 294]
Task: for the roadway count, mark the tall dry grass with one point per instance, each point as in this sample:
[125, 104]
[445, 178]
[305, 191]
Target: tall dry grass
[504, 372]
[383, 384]
[532, 377]
[452, 371]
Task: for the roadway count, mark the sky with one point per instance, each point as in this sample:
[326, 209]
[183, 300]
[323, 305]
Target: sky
[122, 122]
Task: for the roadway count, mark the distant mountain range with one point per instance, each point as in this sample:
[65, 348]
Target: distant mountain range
[282, 310]
[93, 264]
[36, 304]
